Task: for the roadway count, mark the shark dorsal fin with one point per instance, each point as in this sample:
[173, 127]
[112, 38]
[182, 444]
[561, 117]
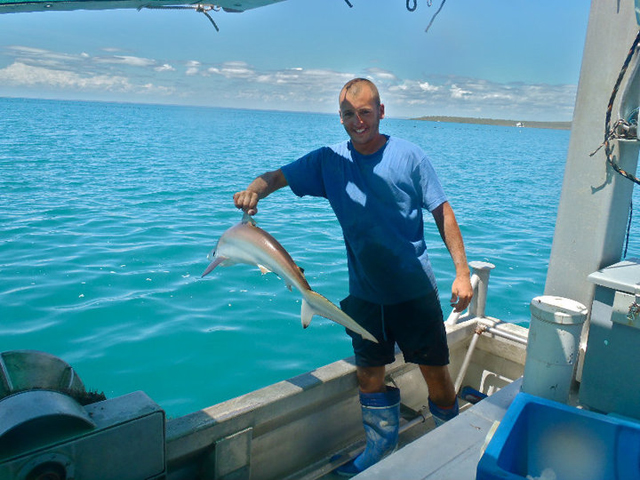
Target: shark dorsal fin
[248, 219]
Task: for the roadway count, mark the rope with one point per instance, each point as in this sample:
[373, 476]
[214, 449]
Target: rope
[415, 4]
[198, 8]
[621, 126]
[626, 243]
[434, 16]
[202, 9]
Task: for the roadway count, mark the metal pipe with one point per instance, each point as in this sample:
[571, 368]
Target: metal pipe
[491, 328]
[467, 358]
[509, 336]
[480, 329]
[420, 418]
[453, 318]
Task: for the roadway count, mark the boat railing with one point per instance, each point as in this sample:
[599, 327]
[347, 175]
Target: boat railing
[480, 272]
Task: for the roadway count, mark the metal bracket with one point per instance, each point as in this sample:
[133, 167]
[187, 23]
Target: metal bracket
[232, 456]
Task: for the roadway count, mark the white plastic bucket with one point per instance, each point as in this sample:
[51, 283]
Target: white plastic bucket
[553, 346]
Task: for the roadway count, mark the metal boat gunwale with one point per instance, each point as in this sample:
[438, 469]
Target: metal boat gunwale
[308, 404]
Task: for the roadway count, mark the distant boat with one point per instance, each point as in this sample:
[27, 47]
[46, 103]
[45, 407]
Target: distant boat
[519, 124]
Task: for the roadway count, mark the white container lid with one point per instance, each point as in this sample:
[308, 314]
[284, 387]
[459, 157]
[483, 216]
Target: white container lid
[552, 309]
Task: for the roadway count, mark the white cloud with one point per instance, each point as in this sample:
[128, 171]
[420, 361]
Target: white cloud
[20, 74]
[379, 74]
[427, 87]
[238, 83]
[233, 70]
[44, 58]
[460, 96]
[126, 60]
[457, 92]
[165, 68]
[193, 67]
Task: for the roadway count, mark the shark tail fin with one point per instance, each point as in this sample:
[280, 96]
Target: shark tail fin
[307, 314]
[315, 304]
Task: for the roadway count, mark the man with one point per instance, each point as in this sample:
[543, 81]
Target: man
[377, 186]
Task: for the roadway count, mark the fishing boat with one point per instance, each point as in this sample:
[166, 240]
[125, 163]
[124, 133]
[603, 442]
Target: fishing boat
[305, 427]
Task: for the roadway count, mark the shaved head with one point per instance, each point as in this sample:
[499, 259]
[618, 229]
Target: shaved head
[355, 86]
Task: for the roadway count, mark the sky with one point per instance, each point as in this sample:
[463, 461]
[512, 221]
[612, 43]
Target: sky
[506, 59]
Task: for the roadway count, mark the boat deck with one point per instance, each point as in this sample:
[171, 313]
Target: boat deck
[450, 452]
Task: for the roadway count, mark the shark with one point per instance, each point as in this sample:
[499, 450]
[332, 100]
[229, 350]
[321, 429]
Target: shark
[247, 243]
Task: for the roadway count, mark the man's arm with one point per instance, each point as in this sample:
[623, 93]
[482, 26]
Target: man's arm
[262, 186]
[461, 290]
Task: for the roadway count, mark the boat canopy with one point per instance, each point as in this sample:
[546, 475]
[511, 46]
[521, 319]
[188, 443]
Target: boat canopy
[13, 6]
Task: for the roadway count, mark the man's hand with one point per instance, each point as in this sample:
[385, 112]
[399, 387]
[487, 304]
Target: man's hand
[247, 201]
[262, 186]
[461, 293]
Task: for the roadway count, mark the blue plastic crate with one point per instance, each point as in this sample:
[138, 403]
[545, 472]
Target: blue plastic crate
[540, 438]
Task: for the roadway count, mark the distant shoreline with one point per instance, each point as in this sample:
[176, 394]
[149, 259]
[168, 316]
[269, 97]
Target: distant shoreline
[503, 123]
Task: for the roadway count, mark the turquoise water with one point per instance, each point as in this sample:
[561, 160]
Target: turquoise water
[107, 213]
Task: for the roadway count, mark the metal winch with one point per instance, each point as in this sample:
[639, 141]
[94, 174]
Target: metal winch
[51, 428]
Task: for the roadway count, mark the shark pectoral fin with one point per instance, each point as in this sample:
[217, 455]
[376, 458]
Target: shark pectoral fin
[216, 261]
[264, 270]
[306, 314]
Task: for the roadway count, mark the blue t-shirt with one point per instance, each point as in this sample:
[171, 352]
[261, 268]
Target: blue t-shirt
[378, 200]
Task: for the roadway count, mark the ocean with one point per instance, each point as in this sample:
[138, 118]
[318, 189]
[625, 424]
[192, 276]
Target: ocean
[108, 212]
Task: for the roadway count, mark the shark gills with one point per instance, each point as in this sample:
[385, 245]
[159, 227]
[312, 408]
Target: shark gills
[247, 243]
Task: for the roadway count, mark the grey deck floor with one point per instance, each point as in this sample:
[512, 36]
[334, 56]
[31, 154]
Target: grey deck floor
[450, 452]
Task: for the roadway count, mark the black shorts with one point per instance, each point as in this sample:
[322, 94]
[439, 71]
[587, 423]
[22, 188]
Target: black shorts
[417, 326]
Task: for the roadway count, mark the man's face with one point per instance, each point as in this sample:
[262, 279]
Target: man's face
[360, 115]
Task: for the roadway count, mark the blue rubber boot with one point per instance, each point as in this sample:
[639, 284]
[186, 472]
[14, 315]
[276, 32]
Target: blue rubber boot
[443, 415]
[381, 419]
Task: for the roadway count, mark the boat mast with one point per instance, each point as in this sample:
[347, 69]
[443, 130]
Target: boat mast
[595, 200]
